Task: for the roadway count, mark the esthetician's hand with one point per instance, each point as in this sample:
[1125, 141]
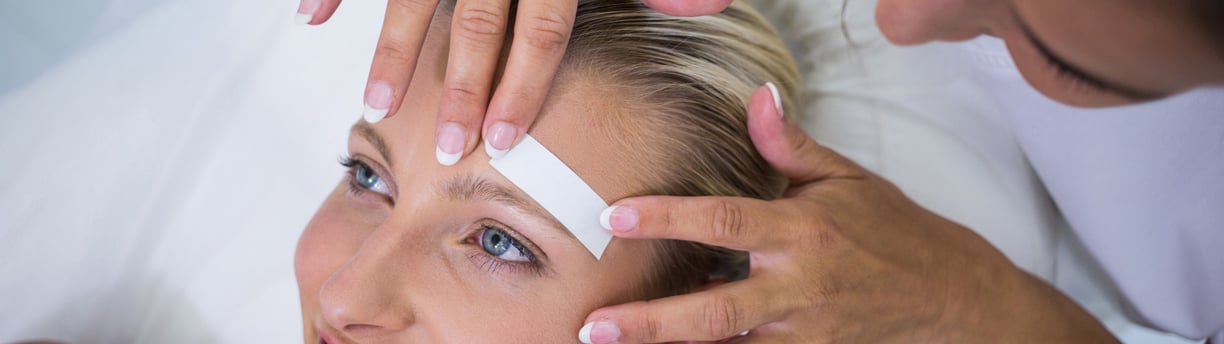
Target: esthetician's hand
[843, 257]
[542, 29]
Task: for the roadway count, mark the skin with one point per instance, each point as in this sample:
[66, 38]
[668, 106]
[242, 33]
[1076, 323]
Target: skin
[407, 266]
[847, 257]
[470, 108]
[1138, 50]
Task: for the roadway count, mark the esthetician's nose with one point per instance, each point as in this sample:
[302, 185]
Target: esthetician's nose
[909, 22]
[363, 297]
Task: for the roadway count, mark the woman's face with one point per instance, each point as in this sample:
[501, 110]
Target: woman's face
[407, 250]
[1078, 52]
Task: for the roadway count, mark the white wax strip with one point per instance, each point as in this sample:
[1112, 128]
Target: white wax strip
[539, 173]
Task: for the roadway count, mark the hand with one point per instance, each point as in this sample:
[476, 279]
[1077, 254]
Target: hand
[466, 114]
[843, 257]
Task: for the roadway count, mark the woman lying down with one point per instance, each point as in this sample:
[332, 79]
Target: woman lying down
[407, 250]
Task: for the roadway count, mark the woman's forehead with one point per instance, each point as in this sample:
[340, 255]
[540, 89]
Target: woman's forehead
[581, 122]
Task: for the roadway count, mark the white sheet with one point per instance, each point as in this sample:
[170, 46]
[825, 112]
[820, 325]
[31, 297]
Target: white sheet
[159, 167]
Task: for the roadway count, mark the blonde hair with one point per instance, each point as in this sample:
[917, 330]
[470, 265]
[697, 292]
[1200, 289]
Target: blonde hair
[687, 82]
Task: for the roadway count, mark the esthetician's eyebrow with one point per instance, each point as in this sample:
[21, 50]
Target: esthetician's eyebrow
[467, 187]
[363, 129]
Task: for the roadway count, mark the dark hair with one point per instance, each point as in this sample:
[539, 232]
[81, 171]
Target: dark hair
[1210, 14]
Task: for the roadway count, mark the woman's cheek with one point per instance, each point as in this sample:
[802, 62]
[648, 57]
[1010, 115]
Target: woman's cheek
[330, 239]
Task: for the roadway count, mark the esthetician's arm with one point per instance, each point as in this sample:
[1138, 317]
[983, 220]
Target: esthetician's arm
[542, 29]
[844, 257]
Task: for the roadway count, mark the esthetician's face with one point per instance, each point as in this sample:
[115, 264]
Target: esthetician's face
[1078, 52]
[406, 250]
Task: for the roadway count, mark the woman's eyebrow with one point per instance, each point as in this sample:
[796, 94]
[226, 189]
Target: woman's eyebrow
[467, 187]
[364, 130]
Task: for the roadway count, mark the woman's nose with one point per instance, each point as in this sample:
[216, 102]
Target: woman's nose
[362, 298]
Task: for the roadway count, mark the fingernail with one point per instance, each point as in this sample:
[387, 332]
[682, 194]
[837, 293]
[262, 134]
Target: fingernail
[450, 143]
[501, 136]
[777, 98]
[599, 332]
[618, 219]
[306, 11]
[377, 101]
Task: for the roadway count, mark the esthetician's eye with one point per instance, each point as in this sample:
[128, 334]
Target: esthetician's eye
[364, 177]
[1071, 75]
[499, 244]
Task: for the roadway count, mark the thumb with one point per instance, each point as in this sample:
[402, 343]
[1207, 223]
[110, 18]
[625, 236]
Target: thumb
[711, 315]
[787, 147]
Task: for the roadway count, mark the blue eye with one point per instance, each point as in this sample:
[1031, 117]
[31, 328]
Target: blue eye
[365, 177]
[499, 244]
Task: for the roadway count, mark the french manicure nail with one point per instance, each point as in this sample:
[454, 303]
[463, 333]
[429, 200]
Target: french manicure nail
[777, 98]
[599, 332]
[377, 101]
[605, 217]
[584, 334]
[501, 136]
[618, 219]
[306, 11]
[302, 18]
[450, 143]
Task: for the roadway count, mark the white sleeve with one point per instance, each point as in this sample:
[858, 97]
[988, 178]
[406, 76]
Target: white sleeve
[1142, 186]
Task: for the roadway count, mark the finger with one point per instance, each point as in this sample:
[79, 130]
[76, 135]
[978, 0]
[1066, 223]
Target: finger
[787, 147]
[315, 12]
[395, 57]
[541, 33]
[477, 33]
[306, 11]
[688, 8]
[739, 223]
[714, 314]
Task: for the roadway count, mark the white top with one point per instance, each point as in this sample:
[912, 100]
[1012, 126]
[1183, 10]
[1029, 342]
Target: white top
[1142, 186]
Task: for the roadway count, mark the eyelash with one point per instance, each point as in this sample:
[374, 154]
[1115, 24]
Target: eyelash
[482, 258]
[354, 189]
[494, 264]
[350, 171]
[1065, 72]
